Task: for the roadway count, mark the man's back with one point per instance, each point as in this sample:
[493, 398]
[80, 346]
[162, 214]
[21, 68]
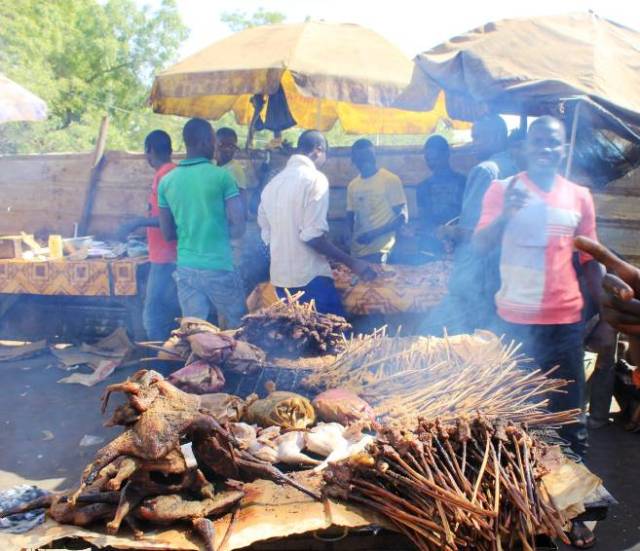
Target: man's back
[196, 192]
[293, 210]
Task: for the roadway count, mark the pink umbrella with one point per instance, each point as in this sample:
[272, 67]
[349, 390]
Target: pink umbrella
[18, 104]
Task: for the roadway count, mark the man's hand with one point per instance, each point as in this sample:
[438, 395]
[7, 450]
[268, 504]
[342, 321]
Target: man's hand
[129, 227]
[621, 286]
[366, 237]
[514, 199]
[363, 270]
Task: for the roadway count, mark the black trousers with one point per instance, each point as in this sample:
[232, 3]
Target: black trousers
[558, 345]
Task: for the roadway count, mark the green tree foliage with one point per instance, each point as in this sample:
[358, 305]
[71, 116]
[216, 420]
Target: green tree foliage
[86, 58]
[239, 20]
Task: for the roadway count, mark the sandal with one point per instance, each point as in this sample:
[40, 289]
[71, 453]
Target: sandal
[581, 536]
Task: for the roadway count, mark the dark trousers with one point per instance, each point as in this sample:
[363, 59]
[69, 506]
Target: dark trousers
[322, 289]
[161, 306]
[562, 346]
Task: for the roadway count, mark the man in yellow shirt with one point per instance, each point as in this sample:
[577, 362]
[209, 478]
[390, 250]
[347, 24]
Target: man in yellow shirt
[226, 147]
[376, 206]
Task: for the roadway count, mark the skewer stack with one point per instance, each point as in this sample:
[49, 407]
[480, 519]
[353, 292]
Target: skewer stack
[404, 378]
[474, 484]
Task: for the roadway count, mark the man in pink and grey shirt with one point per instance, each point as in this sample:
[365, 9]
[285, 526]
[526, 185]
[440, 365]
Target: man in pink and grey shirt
[534, 216]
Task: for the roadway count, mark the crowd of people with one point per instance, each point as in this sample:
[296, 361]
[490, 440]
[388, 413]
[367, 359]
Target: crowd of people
[510, 226]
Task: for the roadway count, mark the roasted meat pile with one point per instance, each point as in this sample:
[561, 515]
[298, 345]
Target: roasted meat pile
[147, 474]
[290, 329]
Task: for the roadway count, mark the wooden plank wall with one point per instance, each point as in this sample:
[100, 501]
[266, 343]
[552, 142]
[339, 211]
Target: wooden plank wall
[43, 193]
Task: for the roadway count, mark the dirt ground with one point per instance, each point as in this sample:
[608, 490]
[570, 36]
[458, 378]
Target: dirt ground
[42, 423]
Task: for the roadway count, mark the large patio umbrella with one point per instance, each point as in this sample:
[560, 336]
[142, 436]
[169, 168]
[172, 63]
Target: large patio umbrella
[531, 66]
[18, 104]
[321, 72]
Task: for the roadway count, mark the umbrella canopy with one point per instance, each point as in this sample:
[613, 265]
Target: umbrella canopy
[328, 72]
[525, 66]
[18, 104]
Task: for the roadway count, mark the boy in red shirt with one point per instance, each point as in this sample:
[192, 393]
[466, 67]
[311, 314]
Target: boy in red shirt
[161, 300]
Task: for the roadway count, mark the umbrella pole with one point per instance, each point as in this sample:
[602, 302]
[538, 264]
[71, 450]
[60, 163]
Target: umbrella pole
[258, 102]
[572, 143]
[523, 123]
[318, 113]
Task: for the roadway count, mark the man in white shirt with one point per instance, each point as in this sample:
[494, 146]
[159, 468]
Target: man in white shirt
[293, 222]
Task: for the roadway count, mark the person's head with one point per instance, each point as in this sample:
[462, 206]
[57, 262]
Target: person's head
[226, 145]
[363, 157]
[515, 146]
[313, 144]
[199, 138]
[157, 148]
[489, 136]
[436, 153]
[545, 146]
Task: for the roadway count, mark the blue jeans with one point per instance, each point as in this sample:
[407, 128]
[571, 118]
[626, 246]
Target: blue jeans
[322, 289]
[562, 346]
[198, 289]
[161, 306]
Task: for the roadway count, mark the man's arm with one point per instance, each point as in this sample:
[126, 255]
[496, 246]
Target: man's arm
[167, 224]
[394, 224]
[315, 227]
[621, 286]
[235, 216]
[351, 221]
[134, 223]
[324, 247]
[263, 222]
[497, 210]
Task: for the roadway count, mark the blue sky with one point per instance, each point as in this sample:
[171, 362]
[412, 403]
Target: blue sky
[414, 26]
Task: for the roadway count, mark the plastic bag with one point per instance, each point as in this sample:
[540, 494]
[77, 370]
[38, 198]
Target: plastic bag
[342, 406]
[284, 409]
[198, 377]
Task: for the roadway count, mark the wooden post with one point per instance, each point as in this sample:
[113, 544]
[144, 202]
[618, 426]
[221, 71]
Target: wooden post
[97, 164]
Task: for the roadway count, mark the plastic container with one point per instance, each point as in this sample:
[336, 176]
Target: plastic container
[55, 247]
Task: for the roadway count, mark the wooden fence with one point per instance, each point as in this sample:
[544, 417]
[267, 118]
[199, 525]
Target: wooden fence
[45, 193]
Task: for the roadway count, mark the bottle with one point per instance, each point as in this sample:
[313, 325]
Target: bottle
[55, 247]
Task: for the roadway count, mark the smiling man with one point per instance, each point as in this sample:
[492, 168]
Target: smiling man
[535, 216]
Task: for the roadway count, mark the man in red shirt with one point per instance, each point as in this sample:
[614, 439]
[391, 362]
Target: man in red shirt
[534, 217]
[161, 305]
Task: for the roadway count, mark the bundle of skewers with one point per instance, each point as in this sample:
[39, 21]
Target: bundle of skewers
[404, 378]
[474, 484]
[289, 328]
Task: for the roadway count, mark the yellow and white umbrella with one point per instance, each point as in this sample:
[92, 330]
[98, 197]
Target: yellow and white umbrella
[328, 72]
[18, 104]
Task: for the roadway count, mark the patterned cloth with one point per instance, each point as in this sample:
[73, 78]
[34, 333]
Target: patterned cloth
[95, 277]
[398, 289]
[23, 522]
